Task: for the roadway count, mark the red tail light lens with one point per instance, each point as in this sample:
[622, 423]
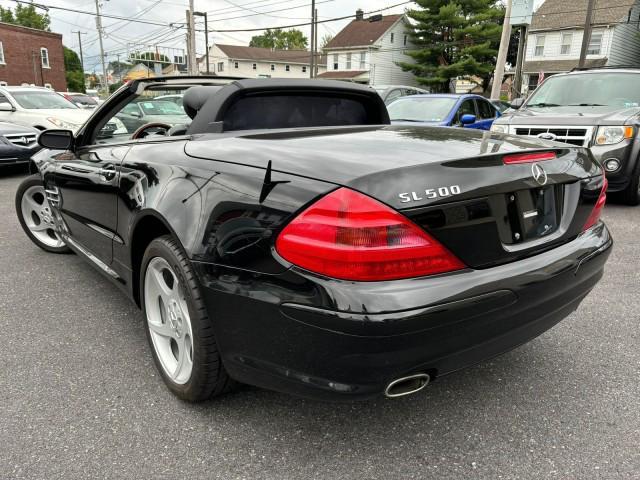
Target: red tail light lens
[528, 157]
[599, 206]
[351, 236]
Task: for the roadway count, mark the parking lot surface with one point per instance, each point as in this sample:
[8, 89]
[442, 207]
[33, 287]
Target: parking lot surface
[81, 398]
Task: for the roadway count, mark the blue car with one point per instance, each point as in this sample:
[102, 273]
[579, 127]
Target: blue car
[446, 110]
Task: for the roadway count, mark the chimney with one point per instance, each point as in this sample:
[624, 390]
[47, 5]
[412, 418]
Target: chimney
[359, 14]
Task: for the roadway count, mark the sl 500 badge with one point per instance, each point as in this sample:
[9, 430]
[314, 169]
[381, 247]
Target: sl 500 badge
[429, 194]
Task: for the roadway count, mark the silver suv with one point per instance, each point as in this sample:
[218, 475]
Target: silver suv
[596, 108]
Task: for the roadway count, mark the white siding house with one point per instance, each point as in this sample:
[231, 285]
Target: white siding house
[240, 61]
[367, 51]
[555, 38]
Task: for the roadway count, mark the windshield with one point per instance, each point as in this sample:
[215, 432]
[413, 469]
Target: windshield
[161, 107]
[421, 109]
[83, 99]
[41, 100]
[620, 90]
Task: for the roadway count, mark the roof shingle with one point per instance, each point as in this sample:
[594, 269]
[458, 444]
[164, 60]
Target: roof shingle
[362, 32]
[555, 14]
[239, 52]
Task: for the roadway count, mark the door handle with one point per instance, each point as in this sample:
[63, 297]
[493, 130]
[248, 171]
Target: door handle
[108, 172]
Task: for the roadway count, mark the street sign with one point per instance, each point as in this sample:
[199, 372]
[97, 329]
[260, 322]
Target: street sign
[521, 12]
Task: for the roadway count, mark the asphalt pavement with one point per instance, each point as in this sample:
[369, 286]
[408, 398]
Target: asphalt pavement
[80, 397]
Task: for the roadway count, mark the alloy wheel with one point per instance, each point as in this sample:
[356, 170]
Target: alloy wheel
[168, 320]
[38, 217]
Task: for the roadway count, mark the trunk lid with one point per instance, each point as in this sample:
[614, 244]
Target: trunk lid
[451, 182]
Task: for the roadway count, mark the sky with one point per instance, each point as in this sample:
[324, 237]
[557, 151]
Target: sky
[223, 14]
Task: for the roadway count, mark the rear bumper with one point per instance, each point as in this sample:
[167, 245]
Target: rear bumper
[314, 337]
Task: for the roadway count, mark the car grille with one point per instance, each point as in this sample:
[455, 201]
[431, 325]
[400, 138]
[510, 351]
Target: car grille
[22, 140]
[580, 136]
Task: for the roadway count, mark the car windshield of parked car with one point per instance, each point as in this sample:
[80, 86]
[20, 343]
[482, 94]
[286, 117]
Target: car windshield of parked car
[161, 107]
[421, 109]
[42, 100]
[83, 100]
[620, 90]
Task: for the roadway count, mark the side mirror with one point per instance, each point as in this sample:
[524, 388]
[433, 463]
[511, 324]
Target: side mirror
[468, 119]
[517, 102]
[7, 107]
[56, 139]
[136, 114]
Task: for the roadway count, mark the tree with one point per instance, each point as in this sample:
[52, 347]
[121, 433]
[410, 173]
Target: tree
[73, 71]
[454, 39]
[280, 39]
[326, 38]
[149, 58]
[26, 16]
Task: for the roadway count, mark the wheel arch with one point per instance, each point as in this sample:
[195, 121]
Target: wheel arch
[149, 226]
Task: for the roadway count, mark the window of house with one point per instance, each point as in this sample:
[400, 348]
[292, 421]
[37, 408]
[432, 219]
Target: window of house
[287, 68]
[404, 40]
[595, 43]
[392, 36]
[335, 61]
[363, 60]
[1, 53]
[565, 46]
[44, 55]
[254, 66]
[304, 69]
[539, 45]
[273, 67]
[349, 61]
[221, 66]
[235, 65]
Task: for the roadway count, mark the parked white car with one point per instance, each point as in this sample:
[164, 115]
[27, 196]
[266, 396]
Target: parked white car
[41, 108]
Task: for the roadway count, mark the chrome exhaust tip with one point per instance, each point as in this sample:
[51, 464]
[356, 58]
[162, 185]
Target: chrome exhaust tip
[407, 385]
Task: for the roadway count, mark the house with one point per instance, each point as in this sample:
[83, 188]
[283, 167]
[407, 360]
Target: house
[31, 57]
[138, 71]
[367, 51]
[555, 37]
[241, 61]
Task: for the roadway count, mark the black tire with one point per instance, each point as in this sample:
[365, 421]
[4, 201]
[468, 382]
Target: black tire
[208, 376]
[631, 195]
[29, 182]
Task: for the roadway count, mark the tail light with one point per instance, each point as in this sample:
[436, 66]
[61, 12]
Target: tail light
[528, 157]
[599, 206]
[351, 236]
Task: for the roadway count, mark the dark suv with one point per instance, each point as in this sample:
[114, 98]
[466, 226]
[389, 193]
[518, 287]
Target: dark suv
[598, 109]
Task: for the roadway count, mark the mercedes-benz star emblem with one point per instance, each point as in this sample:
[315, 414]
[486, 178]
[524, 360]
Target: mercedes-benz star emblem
[547, 136]
[539, 175]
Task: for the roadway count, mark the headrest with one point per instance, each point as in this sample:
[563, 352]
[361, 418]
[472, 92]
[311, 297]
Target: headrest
[195, 97]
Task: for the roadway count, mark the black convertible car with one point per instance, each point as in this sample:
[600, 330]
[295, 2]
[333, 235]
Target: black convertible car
[289, 237]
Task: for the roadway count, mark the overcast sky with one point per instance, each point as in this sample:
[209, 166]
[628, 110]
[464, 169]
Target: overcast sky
[221, 16]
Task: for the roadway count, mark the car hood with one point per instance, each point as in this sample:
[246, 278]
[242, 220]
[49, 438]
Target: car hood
[419, 124]
[7, 128]
[569, 116]
[77, 116]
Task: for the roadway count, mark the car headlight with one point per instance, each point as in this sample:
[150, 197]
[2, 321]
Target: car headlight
[499, 128]
[63, 124]
[613, 135]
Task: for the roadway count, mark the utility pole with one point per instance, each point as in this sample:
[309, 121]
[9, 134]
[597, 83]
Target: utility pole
[193, 62]
[312, 57]
[206, 35]
[517, 83]
[99, 27]
[502, 53]
[80, 46]
[586, 36]
[315, 43]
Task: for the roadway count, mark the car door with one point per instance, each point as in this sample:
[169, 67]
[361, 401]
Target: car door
[131, 115]
[86, 187]
[7, 110]
[487, 113]
[467, 107]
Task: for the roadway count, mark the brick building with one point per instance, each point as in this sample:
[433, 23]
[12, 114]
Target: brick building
[32, 57]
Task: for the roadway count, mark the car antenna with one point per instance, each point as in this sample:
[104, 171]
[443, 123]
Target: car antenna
[268, 184]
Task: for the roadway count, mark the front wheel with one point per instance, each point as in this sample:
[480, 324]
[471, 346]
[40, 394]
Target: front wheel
[178, 327]
[35, 216]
